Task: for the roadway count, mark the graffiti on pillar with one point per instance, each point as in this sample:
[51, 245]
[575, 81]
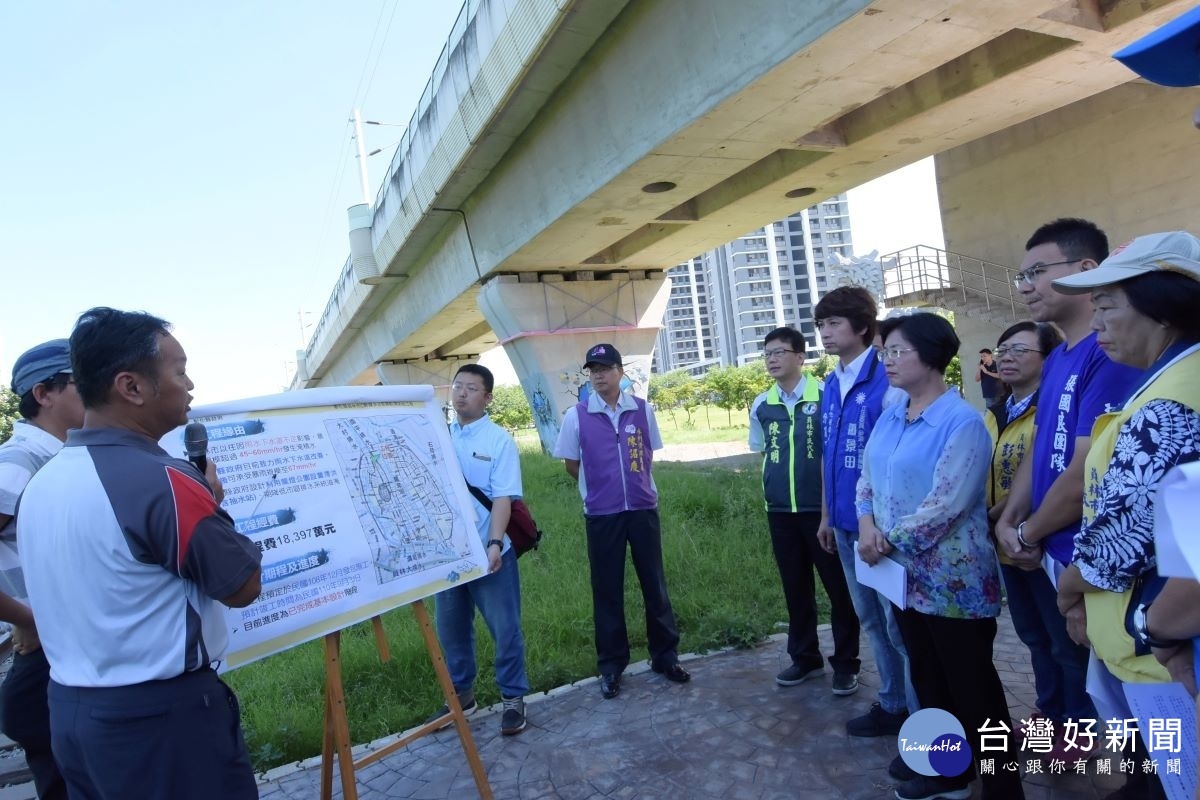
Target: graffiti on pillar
[544, 418]
[634, 380]
[543, 414]
[574, 383]
[577, 387]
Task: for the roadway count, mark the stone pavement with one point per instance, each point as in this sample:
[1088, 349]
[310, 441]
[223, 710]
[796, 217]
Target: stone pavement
[730, 733]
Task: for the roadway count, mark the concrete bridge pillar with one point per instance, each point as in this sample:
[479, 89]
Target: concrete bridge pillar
[438, 372]
[547, 323]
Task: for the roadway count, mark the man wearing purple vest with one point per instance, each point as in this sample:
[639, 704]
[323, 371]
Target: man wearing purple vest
[607, 443]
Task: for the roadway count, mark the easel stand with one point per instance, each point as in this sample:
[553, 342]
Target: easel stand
[337, 729]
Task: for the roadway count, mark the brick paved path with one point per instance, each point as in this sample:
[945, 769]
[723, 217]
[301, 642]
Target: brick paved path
[730, 733]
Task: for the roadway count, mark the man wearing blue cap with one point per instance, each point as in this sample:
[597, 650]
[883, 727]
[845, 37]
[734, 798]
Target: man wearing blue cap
[49, 406]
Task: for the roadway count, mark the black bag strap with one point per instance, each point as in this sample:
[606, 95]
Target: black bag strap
[478, 494]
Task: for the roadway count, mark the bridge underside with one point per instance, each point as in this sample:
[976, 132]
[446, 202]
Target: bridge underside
[681, 124]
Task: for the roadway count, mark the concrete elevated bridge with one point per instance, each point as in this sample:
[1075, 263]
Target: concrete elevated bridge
[566, 152]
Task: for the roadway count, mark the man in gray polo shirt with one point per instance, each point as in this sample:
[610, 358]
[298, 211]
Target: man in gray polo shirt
[126, 555]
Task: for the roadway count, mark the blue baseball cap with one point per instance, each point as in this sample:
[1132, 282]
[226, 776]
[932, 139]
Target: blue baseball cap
[39, 364]
[1169, 56]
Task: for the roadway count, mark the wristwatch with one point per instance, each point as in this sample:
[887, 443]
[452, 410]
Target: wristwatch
[498, 542]
[1142, 636]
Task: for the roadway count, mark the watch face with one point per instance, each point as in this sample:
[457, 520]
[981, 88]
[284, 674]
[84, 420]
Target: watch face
[1139, 623]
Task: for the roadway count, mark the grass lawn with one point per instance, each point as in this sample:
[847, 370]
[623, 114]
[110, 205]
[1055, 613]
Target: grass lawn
[708, 424]
[720, 573]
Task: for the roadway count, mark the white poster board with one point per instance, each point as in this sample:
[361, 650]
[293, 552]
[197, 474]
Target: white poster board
[355, 498]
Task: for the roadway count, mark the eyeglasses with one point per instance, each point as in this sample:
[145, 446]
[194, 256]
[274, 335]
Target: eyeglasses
[893, 353]
[1034, 272]
[58, 381]
[1015, 350]
[778, 351]
[599, 369]
[468, 387]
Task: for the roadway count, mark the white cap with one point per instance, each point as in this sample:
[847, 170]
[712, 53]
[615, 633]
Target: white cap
[1174, 251]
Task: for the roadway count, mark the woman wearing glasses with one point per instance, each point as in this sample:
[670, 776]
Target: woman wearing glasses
[921, 500]
[1032, 600]
[1145, 297]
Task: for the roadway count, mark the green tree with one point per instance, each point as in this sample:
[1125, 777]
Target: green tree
[720, 384]
[9, 403]
[820, 367]
[751, 381]
[676, 391]
[654, 392]
[510, 408]
[954, 374]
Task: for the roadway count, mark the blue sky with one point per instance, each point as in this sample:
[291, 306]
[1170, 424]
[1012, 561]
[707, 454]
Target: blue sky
[181, 158]
[194, 160]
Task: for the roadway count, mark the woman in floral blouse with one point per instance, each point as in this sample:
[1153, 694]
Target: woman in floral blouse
[1145, 296]
[921, 501]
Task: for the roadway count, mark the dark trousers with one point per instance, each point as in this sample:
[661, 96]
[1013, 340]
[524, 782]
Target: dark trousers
[179, 738]
[1059, 665]
[797, 554]
[607, 536]
[952, 669]
[25, 718]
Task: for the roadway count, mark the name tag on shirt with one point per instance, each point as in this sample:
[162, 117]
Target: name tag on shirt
[481, 456]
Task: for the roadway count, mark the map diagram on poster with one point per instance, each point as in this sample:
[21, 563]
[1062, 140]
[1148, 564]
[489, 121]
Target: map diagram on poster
[405, 515]
[354, 497]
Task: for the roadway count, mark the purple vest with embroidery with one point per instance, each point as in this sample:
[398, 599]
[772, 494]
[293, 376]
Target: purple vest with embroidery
[616, 463]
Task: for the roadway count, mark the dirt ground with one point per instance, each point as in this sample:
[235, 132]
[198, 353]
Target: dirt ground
[733, 454]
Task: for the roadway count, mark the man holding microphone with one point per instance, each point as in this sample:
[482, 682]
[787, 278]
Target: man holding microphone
[126, 554]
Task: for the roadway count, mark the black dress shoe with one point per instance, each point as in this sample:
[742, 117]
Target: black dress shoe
[674, 672]
[610, 685]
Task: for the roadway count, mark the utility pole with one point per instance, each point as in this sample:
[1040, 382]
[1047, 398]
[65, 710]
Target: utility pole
[362, 157]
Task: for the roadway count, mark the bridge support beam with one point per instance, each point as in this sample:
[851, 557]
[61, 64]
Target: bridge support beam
[439, 372]
[547, 322]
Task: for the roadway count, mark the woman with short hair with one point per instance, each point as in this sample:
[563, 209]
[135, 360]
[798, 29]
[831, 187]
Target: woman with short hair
[1146, 295]
[1061, 692]
[921, 500]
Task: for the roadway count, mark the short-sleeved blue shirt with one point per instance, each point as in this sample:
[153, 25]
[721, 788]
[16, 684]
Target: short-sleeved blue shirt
[489, 462]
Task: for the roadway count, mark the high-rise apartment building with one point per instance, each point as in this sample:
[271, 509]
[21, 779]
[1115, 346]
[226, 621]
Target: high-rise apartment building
[724, 301]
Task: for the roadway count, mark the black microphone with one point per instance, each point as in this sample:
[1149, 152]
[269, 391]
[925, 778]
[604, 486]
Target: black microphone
[195, 444]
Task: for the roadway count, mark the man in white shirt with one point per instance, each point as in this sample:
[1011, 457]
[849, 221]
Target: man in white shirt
[50, 407]
[489, 460]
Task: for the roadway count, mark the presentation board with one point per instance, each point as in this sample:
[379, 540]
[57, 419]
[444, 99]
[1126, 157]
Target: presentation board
[355, 498]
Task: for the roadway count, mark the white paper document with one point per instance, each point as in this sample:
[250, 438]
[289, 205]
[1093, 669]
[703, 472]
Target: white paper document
[887, 577]
[1167, 724]
[1177, 505]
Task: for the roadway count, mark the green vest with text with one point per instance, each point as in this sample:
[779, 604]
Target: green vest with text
[791, 467]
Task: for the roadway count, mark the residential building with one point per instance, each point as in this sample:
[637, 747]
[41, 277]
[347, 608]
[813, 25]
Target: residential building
[725, 300]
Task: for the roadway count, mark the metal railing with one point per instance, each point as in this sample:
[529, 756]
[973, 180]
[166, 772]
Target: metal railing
[922, 268]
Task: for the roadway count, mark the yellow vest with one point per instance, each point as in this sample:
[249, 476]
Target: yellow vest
[1106, 610]
[1009, 447]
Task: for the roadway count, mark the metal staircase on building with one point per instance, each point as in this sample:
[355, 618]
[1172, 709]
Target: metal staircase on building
[926, 276]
